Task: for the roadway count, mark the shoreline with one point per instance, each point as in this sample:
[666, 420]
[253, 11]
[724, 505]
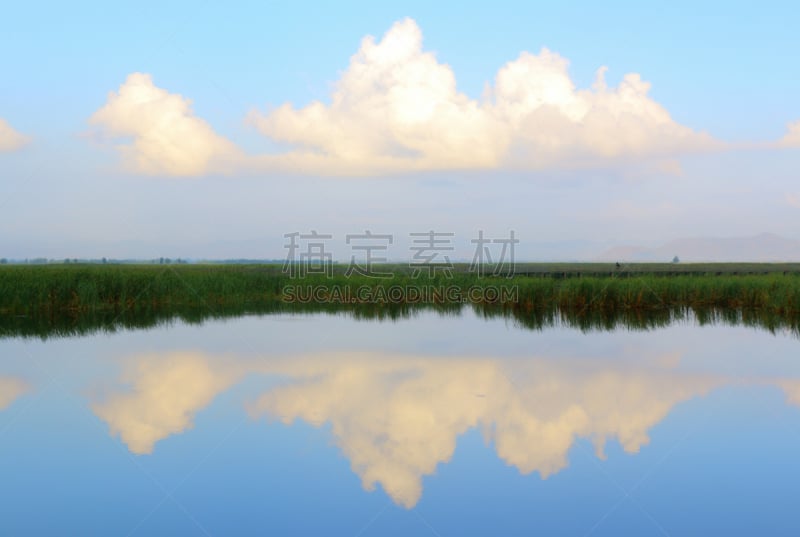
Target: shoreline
[37, 300]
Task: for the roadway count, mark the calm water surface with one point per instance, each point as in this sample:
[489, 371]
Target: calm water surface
[441, 426]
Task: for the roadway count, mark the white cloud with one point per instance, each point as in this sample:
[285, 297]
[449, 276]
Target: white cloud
[167, 391]
[10, 140]
[396, 108]
[167, 138]
[792, 137]
[397, 417]
[10, 389]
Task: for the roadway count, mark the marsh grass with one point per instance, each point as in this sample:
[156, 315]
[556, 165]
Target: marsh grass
[37, 300]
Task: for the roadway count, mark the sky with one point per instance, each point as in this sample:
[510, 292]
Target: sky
[208, 130]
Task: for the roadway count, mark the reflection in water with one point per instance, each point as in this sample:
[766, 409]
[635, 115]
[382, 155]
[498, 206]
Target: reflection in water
[790, 387]
[85, 323]
[396, 417]
[167, 390]
[10, 389]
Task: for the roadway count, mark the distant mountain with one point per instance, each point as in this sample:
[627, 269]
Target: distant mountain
[764, 247]
[759, 248]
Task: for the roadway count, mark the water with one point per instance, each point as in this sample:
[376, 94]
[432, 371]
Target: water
[454, 425]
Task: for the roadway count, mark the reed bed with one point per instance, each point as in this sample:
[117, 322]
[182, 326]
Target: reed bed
[101, 295]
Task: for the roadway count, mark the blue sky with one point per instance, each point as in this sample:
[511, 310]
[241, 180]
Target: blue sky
[721, 70]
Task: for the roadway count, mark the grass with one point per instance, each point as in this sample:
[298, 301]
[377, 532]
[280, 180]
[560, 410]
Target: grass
[93, 288]
[776, 293]
[35, 299]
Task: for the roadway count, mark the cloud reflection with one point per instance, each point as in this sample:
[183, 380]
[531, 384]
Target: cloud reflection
[167, 390]
[10, 389]
[397, 417]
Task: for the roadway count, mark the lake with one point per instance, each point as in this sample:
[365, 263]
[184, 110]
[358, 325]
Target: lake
[435, 424]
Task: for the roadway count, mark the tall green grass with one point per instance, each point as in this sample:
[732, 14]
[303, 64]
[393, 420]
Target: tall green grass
[776, 293]
[75, 298]
[91, 288]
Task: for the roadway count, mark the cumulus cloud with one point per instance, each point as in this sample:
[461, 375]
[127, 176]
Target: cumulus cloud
[792, 137]
[10, 140]
[397, 417]
[10, 390]
[166, 138]
[166, 392]
[396, 108]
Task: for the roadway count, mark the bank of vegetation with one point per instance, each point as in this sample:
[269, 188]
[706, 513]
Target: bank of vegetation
[103, 295]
